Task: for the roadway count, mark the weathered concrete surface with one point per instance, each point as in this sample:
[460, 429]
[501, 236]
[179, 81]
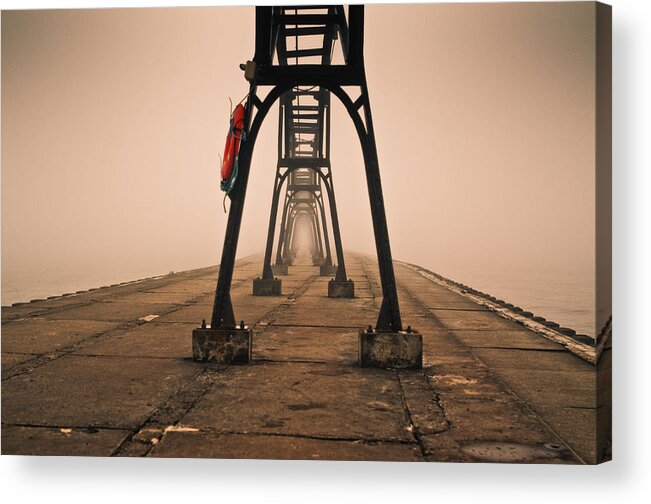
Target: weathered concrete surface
[267, 287]
[398, 350]
[280, 269]
[110, 372]
[229, 446]
[225, 346]
[328, 270]
[61, 441]
[341, 289]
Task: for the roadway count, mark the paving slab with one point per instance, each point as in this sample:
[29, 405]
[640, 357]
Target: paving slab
[147, 340]
[237, 446]
[40, 335]
[331, 312]
[248, 309]
[534, 360]
[190, 286]
[9, 360]
[439, 298]
[523, 340]
[29, 310]
[561, 388]
[579, 428]
[81, 391]
[114, 311]
[458, 320]
[335, 401]
[61, 441]
[161, 297]
[299, 343]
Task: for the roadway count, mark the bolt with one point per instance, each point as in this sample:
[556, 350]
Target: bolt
[241, 324]
[408, 328]
[203, 324]
[242, 66]
[370, 329]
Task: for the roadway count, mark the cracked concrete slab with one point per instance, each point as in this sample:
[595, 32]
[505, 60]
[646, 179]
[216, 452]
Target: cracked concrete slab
[523, 339]
[193, 286]
[327, 312]
[157, 296]
[548, 388]
[9, 360]
[309, 399]
[533, 360]
[114, 311]
[474, 320]
[146, 340]
[41, 335]
[92, 391]
[229, 446]
[60, 441]
[250, 312]
[307, 344]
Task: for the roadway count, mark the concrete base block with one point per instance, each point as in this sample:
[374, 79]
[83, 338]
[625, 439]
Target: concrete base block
[341, 289]
[280, 269]
[267, 287]
[226, 346]
[399, 350]
[328, 270]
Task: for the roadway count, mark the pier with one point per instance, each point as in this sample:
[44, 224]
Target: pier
[108, 372]
[303, 351]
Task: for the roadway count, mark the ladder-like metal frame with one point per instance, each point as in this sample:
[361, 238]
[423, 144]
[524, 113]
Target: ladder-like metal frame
[304, 143]
[303, 196]
[273, 25]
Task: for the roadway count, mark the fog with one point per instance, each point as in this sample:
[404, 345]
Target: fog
[113, 122]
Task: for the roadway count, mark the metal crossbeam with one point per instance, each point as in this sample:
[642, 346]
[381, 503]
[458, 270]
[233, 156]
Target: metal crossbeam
[306, 19]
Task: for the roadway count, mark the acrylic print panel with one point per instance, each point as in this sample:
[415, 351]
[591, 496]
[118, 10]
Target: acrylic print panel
[411, 218]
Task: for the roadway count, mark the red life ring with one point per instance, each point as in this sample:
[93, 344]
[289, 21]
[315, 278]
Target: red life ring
[233, 141]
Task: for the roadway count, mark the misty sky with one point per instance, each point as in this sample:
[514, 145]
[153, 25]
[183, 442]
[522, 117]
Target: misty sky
[112, 122]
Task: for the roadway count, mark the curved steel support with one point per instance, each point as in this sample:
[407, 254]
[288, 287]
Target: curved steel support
[317, 230]
[267, 272]
[282, 233]
[222, 314]
[334, 218]
[389, 318]
[287, 251]
[326, 239]
[326, 180]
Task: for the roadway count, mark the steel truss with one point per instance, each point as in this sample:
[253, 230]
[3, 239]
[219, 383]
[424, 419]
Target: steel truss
[283, 32]
[303, 198]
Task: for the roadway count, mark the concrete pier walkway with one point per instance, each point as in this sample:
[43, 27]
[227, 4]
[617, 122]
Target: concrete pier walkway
[109, 372]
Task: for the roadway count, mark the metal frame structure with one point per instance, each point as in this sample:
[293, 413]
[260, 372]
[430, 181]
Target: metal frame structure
[304, 146]
[275, 26]
[303, 196]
